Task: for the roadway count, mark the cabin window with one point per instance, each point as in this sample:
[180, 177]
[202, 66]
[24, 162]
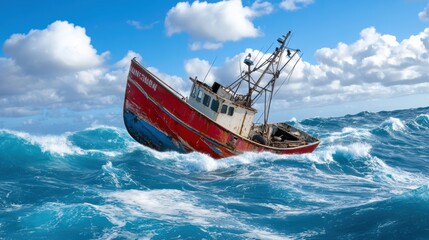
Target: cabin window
[199, 95]
[230, 111]
[194, 91]
[206, 100]
[224, 108]
[215, 105]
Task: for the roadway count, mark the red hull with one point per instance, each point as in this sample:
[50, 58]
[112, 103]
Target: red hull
[158, 117]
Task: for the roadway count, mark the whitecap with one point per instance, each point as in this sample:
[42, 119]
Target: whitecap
[101, 126]
[326, 155]
[395, 179]
[111, 154]
[174, 206]
[394, 124]
[422, 120]
[380, 172]
[347, 133]
[264, 234]
[117, 175]
[60, 144]
[53, 144]
[200, 162]
[358, 149]
[293, 120]
[164, 204]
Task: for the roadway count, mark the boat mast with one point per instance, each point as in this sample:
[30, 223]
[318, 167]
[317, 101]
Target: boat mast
[273, 59]
[271, 66]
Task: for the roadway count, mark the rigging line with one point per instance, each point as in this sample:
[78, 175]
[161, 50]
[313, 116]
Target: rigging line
[289, 39]
[287, 78]
[289, 74]
[260, 59]
[214, 60]
[260, 115]
[266, 111]
[273, 80]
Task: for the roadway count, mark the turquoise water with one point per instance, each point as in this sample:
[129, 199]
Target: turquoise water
[368, 179]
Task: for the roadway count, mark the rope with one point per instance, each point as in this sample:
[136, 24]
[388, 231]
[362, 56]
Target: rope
[288, 80]
[289, 75]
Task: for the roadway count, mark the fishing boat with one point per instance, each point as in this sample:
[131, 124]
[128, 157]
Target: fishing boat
[215, 119]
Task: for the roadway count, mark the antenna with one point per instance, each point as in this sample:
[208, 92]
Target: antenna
[214, 60]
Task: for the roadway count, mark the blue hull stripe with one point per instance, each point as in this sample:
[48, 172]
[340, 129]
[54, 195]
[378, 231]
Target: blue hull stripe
[148, 135]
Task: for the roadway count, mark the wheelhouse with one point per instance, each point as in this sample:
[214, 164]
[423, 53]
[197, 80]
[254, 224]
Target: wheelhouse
[218, 103]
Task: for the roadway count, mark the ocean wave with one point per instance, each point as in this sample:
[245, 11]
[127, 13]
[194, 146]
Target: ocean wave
[178, 207]
[394, 129]
[354, 162]
[349, 134]
[394, 179]
[342, 166]
[100, 138]
[399, 217]
[53, 144]
[52, 220]
[330, 153]
[108, 141]
[394, 124]
[422, 120]
[166, 204]
[117, 176]
[200, 162]
[367, 179]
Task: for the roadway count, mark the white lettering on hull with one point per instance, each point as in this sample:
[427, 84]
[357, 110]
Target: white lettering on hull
[143, 78]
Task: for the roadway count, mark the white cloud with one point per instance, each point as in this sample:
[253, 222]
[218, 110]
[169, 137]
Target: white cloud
[61, 47]
[125, 62]
[375, 66]
[292, 5]
[201, 69]
[57, 67]
[138, 25]
[260, 8]
[424, 15]
[215, 22]
[135, 24]
[177, 83]
[207, 45]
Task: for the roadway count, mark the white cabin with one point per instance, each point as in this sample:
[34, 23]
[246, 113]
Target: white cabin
[217, 103]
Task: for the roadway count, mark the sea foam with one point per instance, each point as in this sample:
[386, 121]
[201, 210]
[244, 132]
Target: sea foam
[394, 124]
[53, 144]
[165, 204]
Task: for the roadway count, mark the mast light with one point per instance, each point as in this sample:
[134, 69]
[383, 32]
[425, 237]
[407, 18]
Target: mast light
[247, 61]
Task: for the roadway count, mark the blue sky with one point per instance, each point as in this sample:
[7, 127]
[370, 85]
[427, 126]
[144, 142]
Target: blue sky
[63, 64]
